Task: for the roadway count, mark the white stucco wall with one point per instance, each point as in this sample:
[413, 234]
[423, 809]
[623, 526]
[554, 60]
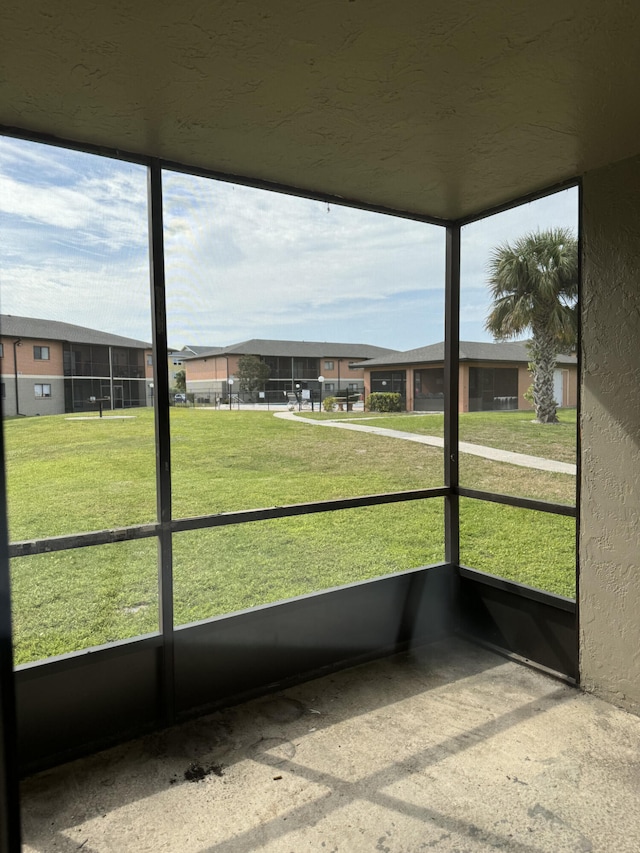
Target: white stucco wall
[610, 500]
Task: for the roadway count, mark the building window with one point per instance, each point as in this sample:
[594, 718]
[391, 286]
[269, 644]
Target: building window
[389, 381]
[306, 368]
[493, 388]
[3, 390]
[329, 386]
[177, 363]
[1, 350]
[41, 353]
[42, 390]
[328, 365]
[149, 361]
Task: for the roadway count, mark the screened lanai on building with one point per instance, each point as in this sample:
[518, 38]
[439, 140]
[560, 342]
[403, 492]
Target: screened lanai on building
[491, 377]
[435, 114]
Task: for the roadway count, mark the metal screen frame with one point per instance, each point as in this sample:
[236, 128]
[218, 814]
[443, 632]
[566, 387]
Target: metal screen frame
[409, 607]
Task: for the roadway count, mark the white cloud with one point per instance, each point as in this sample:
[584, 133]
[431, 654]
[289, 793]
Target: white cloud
[71, 209]
[285, 263]
[240, 262]
[73, 238]
[93, 298]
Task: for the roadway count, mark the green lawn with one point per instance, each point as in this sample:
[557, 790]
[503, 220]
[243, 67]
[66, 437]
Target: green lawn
[506, 430]
[515, 431]
[71, 475]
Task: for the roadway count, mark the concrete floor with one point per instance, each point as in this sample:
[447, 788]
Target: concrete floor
[446, 748]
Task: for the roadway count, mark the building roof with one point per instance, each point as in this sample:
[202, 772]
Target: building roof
[192, 349]
[54, 330]
[300, 349]
[469, 351]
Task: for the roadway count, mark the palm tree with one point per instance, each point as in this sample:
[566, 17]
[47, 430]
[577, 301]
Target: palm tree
[534, 285]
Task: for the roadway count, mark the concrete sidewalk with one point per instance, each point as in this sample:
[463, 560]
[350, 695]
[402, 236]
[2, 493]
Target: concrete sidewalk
[493, 453]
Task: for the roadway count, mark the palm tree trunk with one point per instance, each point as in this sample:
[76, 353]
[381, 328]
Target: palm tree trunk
[543, 355]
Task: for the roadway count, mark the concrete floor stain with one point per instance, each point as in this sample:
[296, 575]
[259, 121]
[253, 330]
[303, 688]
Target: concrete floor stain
[196, 772]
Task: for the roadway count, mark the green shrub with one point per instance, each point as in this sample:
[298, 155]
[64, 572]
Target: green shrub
[329, 403]
[381, 401]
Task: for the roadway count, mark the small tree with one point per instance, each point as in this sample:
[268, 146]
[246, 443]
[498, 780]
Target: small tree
[252, 374]
[181, 382]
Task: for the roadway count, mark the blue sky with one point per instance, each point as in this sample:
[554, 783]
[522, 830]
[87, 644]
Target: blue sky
[240, 262]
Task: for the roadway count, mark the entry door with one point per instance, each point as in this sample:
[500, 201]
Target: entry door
[118, 397]
[558, 387]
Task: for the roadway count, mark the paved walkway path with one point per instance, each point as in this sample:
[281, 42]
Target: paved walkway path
[492, 453]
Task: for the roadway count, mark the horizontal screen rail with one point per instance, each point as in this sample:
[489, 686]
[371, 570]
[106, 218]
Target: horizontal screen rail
[31, 547]
[291, 510]
[521, 503]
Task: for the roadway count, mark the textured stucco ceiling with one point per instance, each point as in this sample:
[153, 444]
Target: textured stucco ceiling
[441, 108]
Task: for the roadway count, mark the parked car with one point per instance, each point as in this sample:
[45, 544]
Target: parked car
[180, 398]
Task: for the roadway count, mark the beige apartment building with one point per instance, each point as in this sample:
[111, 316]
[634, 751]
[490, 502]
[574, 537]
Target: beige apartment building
[49, 368]
[294, 365]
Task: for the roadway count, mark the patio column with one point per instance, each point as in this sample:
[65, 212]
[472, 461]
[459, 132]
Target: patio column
[609, 580]
[451, 380]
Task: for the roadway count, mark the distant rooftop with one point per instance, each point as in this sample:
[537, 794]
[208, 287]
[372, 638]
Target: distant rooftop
[54, 330]
[300, 349]
[192, 349]
[469, 351]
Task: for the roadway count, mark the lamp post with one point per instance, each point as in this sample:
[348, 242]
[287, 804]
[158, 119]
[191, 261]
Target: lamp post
[151, 392]
[298, 396]
[320, 380]
[16, 343]
[230, 381]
